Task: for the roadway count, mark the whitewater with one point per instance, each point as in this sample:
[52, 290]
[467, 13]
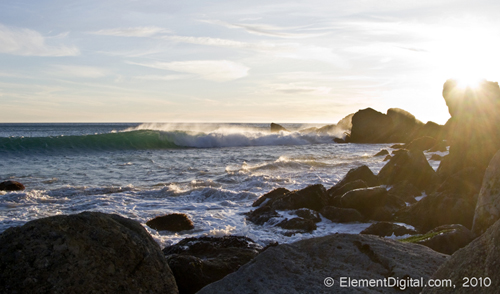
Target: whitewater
[211, 172]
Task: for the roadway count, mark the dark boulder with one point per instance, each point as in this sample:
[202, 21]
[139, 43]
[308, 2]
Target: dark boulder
[11, 186]
[430, 129]
[90, 252]
[374, 203]
[410, 166]
[341, 215]
[421, 144]
[359, 173]
[405, 191]
[313, 197]
[278, 192]
[405, 124]
[262, 215]
[276, 128]
[308, 214]
[197, 262]
[174, 222]
[488, 204]
[440, 146]
[298, 224]
[371, 126]
[345, 123]
[447, 238]
[302, 267]
[387, 229]
[334, 195]
[478, 260]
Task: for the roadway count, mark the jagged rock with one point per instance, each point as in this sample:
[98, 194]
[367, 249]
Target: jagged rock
[11, 186]
[298, 223]
[374, 203]
[447, 238]
[313, 197]
[410, 166]
[90, 252]
[488, 204]
[371, 126]
[334, 195]
[477, 260]
[276, 128]
[387, 158]
[405, 191]
[405, 124]
[359, 173]
[421, 144]
[278, 192]
[262, 215]
[308, 214]
[382, 153]
[174, 222]
[341, 215]
[385, 229]
[197, 262]
[301, 267]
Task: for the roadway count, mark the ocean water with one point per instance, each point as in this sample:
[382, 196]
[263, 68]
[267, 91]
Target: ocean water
[211, 172]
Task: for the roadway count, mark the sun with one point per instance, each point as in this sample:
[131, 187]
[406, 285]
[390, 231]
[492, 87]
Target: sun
[469, 81]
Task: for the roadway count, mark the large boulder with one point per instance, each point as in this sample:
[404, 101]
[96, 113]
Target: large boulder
[478, 260]
[387, 229]
[447, 238]
[421, 143]
[374, 203]
[276, 128]
[313, 197]
[11, 186]
[174, 222]
[371, 126]
[90, 252]
[307, 265]
[197, 262]
[362, 172]
[488, 203]
[473, 131]
[278, 192]
[405, 124]
[410, 166]
[342, 215]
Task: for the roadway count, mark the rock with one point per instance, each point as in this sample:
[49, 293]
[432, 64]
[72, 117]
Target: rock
[387, 158]
[262, 215]
[90, 252]
[453, 202]
[410, 166]
[473, 131]
[405, 191]
[276, 128]
[448, 238]
[197, 262]
[335, 194]
[298, 223]
[302, 267]
[382, 153]
[421, 144]
[405, 124]
[278, 192]
[387, 229]
[313, 197]
[11, 186]
[398, 146]
[341, 215]
[346, 122]
[359, 173]
[430, 129]
[371, 126]
[308, 214]
[339, 140]
[174, 222]
[477, 260]
[374, 203]
[487, 210]
[440, 146]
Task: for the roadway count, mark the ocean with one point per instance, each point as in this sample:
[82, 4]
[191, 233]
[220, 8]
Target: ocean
[212, 172]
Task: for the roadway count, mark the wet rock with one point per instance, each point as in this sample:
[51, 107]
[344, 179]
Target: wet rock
[262, 215]
[276, 128]
[386, 229]
[374, 203]
[359, 173]
[410, 166]
[298, 223]
[387, 158]
[90, 252]
[308, 214]
[405, 191]
[313, 197]
[336, 194]
[447, 238]
[488, 204]
[381, 153]
[278, 192]
[301, 267]
[371, 126]
[11, 186]
[479, 259]
[341, 215]
[197, 262]
[174, 222]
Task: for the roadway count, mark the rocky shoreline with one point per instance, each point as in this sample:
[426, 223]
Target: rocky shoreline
[456, 224]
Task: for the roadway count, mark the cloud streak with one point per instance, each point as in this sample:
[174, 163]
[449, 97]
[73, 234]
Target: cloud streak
[26, 42]
[212, 70]
[131, 32]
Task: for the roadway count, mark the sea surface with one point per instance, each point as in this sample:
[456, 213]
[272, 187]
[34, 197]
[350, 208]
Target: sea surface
[211, 172]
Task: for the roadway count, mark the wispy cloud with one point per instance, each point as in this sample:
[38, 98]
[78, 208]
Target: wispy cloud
[265, 30]
[79, 71]
[26, 42]
[212, 70]
[131, 32]
[300, 89]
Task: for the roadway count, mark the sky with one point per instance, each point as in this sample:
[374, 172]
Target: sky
[278, 61]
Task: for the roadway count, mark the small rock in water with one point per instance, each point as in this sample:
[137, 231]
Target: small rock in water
[11, 186]
[174, 222]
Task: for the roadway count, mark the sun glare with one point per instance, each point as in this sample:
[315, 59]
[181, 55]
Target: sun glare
[468, 81]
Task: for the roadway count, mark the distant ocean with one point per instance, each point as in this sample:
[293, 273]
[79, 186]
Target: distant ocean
[212, 172]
